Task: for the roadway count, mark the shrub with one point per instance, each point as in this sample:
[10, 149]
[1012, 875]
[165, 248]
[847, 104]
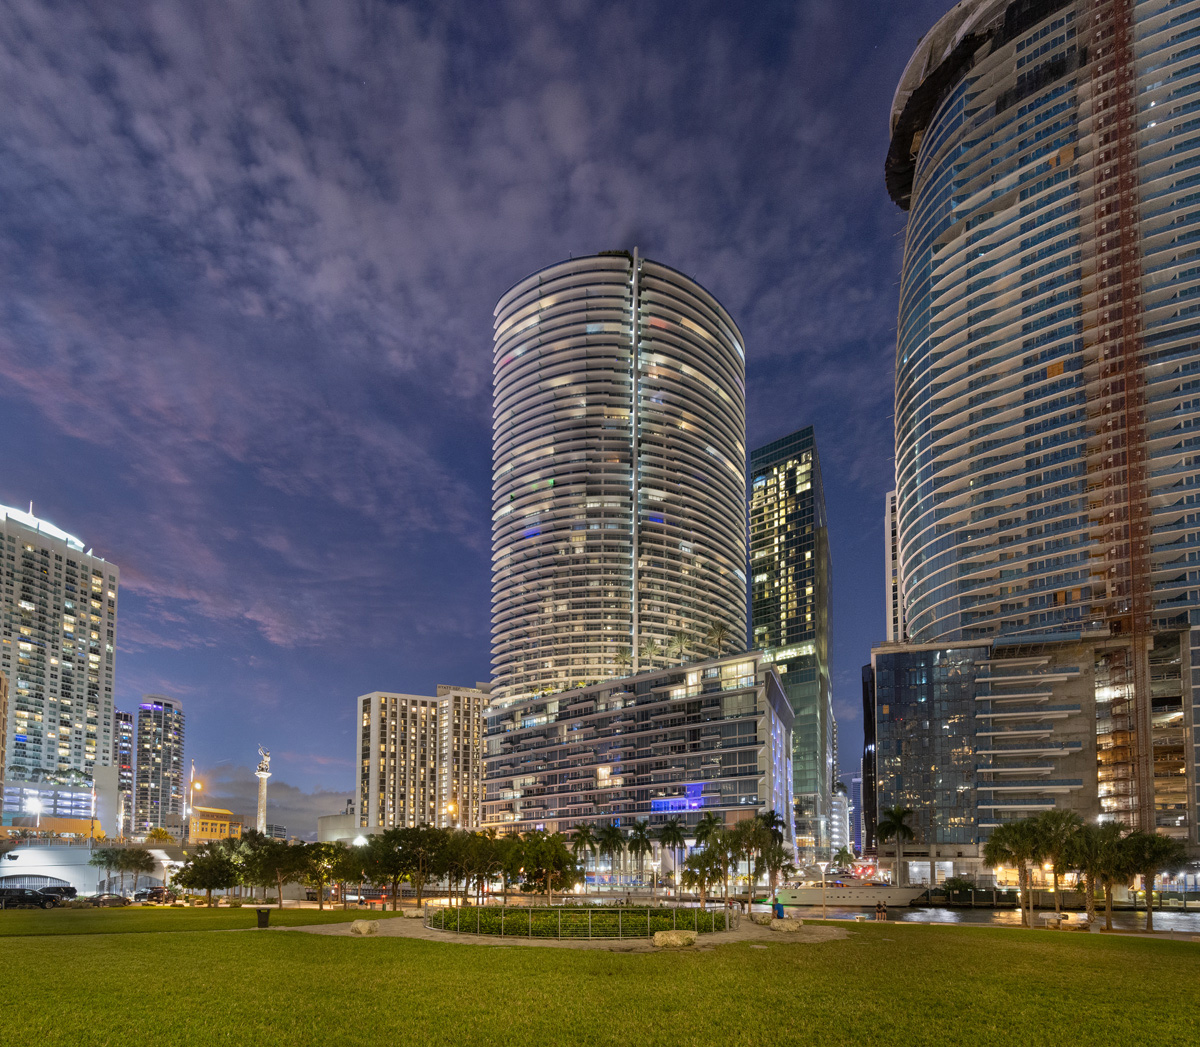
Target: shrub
[573, 921]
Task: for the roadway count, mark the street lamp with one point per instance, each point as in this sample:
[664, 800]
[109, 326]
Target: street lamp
[822, 866]
[654, 865]
[35, 805]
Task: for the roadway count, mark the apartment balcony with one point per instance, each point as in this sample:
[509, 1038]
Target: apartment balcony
[1038, 785]
[1045, 712]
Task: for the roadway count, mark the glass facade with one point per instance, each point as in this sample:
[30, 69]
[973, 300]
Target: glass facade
[1047, 371]
[619, 484]
[159, 779]
[673, 743]
[789, 607]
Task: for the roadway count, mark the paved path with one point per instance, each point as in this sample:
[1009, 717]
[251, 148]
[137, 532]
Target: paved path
[403, 927]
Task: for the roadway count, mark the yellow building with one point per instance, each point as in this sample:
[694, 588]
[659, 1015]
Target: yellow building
[213, 823]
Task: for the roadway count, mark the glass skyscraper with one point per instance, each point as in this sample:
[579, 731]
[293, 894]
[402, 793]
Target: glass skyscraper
[1047, 370]
[789, 607]
[619, 484]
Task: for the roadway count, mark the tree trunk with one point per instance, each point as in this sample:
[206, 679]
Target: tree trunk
[208, 898]
[1148, 882]
[1108, 906]
[1057, 896]
[280, 879]
[1089, 886]
[899, 862]
[1021, 886]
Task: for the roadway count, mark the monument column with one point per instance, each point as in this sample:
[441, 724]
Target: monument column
[262, 774]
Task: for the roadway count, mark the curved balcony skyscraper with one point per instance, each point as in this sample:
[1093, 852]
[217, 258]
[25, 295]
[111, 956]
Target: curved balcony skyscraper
[619, 490]
[1048, 358]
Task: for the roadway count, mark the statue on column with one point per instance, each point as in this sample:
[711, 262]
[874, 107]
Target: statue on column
[263, 773]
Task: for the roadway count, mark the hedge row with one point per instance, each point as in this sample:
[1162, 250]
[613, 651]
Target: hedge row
[572, 922]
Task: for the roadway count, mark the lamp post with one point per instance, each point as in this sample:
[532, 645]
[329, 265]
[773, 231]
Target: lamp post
[822, 866]
[35, 805]
[654, 866]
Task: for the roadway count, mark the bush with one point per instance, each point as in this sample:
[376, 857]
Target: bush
[574, 921]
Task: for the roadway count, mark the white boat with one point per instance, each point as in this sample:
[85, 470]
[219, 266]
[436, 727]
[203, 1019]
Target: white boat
[849, 891]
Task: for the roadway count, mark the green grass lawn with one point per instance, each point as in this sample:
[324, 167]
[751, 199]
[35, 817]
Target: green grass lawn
[136, 919]
[888, 985]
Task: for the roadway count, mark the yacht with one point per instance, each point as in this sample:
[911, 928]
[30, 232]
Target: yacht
[846, 890]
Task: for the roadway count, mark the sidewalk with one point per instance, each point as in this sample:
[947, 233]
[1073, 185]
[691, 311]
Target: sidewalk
[748, 931]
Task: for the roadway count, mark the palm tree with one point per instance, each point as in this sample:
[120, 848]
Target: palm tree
[672, 836]
[778, 863]
[753, 838]
[640, 845]
[138, 860]
[893, 824]
[707, 828]
[717, 636]
[1055, 830]
[1084, 854]
[624, 658]
[1150, 854]
[678, 646]
[1015, 843]
[583, 842]
[159, 835]
[701, 869]
[843, 857]
[1114, 868]
[106, 859]
[649, 651]
[773, 824]
[610, 841]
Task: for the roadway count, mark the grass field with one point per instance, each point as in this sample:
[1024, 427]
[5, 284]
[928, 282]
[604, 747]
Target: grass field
[138, 920]
[888, 985]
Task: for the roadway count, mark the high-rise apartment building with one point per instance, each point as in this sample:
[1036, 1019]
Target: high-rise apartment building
[870, 796]
[841, 818]
[790, 600]
[3, 724]
[1047, 359]
[619, 421]
[159, 780]
[897, 631]
[124, 747]
[58, 621]
[711, 737]
[421, 758]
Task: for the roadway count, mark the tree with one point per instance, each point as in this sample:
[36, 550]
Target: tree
[703, 868]
[726, 845]
[209, 868]
[753, 837]
[893, 825]
[624, 658]
[717, 636]
[1055, 831]
[278, 863]
[107, 859]
[549, 864]
[649, 651]
[424, 847]
[673, 837]
[707, 828]
[159, 835]
[640, 845]
[1085, 855]
[1114, 865]
[678, 645]
[583, 843]
[1016, 843]
[348, 867]
[610, 841]
[322, 861]
[137, 860]
[511, 855]
[843, 857]
[778, 864]
[1148, 855]
[385, 862]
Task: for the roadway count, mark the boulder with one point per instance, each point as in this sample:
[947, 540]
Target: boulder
[364, 927]
[763, 919]
[414, 914]
[674, 939]
[786, 925]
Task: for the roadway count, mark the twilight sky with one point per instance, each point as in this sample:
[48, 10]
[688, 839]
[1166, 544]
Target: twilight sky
[249, 251]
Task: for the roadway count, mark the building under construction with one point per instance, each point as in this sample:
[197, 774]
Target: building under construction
[1048, 415]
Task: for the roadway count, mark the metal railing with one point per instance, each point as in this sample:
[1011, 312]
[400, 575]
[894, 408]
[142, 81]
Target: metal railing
[579, 921]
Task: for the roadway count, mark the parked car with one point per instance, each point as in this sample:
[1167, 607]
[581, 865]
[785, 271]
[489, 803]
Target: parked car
[25, 898]
[108, 900]
[60, 891]
[155, 894]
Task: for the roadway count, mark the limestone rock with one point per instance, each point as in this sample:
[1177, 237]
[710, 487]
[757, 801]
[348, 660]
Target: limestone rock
[786, 925]
[414, 914]
[364, 927]
[763, 919]
[674, 939]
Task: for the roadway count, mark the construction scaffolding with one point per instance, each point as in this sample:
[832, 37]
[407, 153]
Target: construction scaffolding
[1119, 510]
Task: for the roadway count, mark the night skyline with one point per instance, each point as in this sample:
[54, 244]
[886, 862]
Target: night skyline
[250, 258]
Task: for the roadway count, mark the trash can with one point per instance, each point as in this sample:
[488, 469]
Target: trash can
[264, 917]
